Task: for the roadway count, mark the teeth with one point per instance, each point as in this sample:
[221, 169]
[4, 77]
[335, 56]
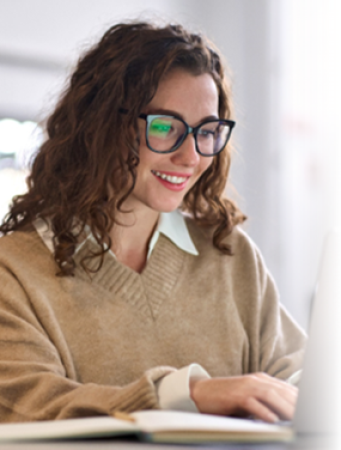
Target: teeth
[169, 178]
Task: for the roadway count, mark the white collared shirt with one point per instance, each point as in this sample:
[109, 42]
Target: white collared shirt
[173, 389]
[172, 225]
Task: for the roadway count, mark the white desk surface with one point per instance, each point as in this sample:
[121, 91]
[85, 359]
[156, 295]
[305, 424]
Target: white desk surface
[301, 443]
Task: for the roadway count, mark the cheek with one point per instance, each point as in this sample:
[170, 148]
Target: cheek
[205, 163]
[146, 156]
[148, 160]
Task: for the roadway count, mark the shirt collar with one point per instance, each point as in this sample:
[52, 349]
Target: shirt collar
[172, 225]
[44, 229]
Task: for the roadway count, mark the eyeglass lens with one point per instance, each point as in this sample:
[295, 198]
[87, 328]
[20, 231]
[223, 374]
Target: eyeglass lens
[166, 132]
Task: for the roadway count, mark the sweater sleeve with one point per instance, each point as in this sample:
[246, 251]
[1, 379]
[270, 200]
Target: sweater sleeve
[33, 381]
[282, 341]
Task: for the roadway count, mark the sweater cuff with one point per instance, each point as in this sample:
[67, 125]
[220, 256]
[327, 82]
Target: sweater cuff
[295, 378]
[174, 392]
[142, 393]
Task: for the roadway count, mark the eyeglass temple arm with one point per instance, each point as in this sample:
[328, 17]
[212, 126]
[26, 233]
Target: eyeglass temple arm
[126, 111]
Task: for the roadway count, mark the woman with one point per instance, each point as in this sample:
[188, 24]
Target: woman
[111, 298]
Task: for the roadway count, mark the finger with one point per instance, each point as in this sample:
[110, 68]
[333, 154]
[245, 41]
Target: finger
[284, 395]
[284, 389]
[275, 381]
[278, 403]
[260, 411]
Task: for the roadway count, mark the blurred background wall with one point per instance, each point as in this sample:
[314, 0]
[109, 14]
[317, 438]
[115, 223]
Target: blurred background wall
[285, 69]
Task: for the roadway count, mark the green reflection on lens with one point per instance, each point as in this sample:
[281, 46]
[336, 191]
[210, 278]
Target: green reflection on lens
[160, 128]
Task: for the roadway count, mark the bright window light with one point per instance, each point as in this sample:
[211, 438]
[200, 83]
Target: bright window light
[18, 143]
[19, 140]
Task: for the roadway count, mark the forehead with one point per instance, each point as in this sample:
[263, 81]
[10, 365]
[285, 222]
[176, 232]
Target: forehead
[194, 97]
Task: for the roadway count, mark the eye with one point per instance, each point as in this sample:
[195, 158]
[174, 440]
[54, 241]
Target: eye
[206, 132]
[160, 127]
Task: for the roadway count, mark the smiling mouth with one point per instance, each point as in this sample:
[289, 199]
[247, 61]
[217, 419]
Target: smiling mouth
[170, 178]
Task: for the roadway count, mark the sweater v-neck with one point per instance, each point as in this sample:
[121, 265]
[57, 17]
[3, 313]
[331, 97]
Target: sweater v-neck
[145, 291]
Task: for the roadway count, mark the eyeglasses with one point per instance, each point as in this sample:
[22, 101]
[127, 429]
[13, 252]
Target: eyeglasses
[165, 134]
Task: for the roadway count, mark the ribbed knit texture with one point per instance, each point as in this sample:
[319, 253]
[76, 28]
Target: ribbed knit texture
[89, 345]
[146, 291]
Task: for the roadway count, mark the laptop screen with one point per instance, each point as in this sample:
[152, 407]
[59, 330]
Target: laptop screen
[319, 400]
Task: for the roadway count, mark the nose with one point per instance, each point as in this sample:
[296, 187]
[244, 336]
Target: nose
[186, 155]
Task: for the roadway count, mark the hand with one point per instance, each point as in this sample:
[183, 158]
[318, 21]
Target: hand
[257, 394]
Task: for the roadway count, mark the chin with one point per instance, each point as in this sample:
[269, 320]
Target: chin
[166, 207]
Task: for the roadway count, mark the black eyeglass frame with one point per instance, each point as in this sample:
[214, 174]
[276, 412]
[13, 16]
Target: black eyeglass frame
[149, 117]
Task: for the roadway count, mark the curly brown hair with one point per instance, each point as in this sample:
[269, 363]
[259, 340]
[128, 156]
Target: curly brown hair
[87, 166]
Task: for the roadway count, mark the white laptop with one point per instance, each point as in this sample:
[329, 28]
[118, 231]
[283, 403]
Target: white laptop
[319, 400]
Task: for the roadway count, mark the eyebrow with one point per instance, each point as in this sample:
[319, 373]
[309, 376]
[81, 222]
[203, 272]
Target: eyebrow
[168, 112]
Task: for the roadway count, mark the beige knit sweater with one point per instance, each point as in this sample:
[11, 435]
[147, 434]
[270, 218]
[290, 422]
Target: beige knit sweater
[75, 346]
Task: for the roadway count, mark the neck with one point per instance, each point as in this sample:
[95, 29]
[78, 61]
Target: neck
[131, 235]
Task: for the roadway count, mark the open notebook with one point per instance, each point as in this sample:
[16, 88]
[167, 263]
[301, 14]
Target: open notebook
[319, 393]
[151, 425]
